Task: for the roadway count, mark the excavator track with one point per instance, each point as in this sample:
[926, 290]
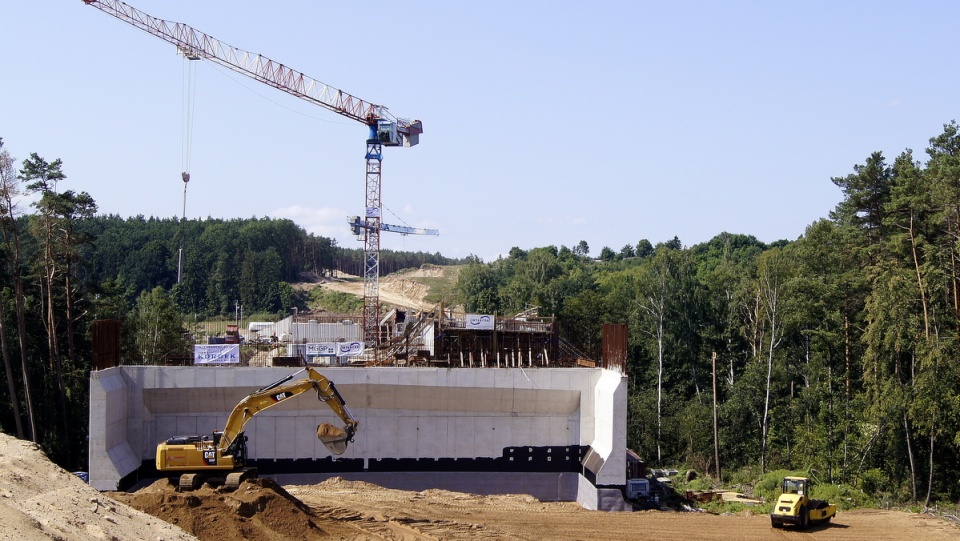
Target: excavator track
[190, 481]
[235, 479]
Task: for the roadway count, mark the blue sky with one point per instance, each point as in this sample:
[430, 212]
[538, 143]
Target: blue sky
[545, 122]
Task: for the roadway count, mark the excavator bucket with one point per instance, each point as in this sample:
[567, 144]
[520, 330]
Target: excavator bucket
[335, 439]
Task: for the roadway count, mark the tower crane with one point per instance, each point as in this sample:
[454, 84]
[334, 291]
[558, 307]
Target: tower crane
[384, 128]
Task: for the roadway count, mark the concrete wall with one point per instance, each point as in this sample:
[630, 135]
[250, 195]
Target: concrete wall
[468, 415]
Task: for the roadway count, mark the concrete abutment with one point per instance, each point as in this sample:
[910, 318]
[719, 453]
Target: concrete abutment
[553, 433]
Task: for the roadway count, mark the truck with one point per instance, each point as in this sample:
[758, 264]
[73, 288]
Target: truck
[232, 335]
[795, 507]
[222, 456]
[643, 493]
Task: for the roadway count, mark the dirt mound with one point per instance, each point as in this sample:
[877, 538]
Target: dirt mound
[259, 509]
[398, 292]
[40, 500]
[339, 483]
[425, 271]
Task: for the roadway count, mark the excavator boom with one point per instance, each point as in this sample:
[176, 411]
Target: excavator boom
[279, 391]
[226, 451]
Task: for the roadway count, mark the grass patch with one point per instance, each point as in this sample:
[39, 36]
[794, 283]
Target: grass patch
[262, 316]
[440, 289]
[767, 489]
[335, 301]
[734, 508]
[842, 495]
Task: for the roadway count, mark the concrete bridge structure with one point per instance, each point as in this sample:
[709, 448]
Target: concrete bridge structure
[558, 434]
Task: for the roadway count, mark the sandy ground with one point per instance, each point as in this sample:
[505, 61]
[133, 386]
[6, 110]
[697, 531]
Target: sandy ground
[433, 514]
[339, 509]
[396, 289]
[39, 500]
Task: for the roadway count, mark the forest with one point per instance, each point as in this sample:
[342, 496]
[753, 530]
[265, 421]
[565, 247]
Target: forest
[64, 266]
[836, 352]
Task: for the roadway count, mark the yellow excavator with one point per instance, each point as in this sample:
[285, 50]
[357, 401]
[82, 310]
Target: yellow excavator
[223, 456]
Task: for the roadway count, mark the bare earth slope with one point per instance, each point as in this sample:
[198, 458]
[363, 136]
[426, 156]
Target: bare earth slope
[39, 500]
[401, 289]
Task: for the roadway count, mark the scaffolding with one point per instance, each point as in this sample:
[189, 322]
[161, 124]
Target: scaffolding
[434, 337]
[439, 337]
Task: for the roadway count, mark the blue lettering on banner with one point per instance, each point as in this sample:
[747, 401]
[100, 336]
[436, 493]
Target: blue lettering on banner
[349, 349]
[216, 354]
[321, 348]
[479, 321]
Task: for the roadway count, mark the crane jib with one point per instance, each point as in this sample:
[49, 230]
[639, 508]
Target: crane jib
[387, 130]
[195, 44]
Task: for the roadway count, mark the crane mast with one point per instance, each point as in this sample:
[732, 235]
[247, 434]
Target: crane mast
[385, 129]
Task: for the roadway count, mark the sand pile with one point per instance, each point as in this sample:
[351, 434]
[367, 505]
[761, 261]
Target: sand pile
[259, 509]
[40, 500]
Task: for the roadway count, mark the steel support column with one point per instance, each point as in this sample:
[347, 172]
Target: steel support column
[371, 248]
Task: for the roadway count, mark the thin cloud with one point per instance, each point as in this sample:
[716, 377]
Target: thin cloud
[324, 221]
[563, 220]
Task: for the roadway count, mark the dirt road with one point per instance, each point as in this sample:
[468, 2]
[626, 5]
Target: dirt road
[397, 289]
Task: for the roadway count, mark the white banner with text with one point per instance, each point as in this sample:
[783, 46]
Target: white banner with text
[479, 322]
[216, 354]
[335, 349]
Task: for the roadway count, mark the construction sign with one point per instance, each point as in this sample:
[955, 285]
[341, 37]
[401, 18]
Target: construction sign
[216, 354]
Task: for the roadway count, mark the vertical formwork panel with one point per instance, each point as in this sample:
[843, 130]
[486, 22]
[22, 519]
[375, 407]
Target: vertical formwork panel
[106, 343]
[615, 347]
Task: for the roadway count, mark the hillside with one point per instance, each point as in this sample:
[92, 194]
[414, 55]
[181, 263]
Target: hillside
[417, 289]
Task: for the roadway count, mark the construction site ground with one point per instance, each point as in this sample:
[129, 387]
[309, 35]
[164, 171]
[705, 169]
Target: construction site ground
[399, 289]
[39, 500]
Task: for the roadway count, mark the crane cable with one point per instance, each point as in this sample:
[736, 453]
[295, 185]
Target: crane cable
[186, 145]
[189, 97]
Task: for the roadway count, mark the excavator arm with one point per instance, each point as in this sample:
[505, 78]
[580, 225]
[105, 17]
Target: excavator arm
[199, 457]
[335, 439]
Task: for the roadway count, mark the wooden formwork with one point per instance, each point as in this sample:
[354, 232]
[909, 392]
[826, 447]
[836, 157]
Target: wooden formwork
[511, 346]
